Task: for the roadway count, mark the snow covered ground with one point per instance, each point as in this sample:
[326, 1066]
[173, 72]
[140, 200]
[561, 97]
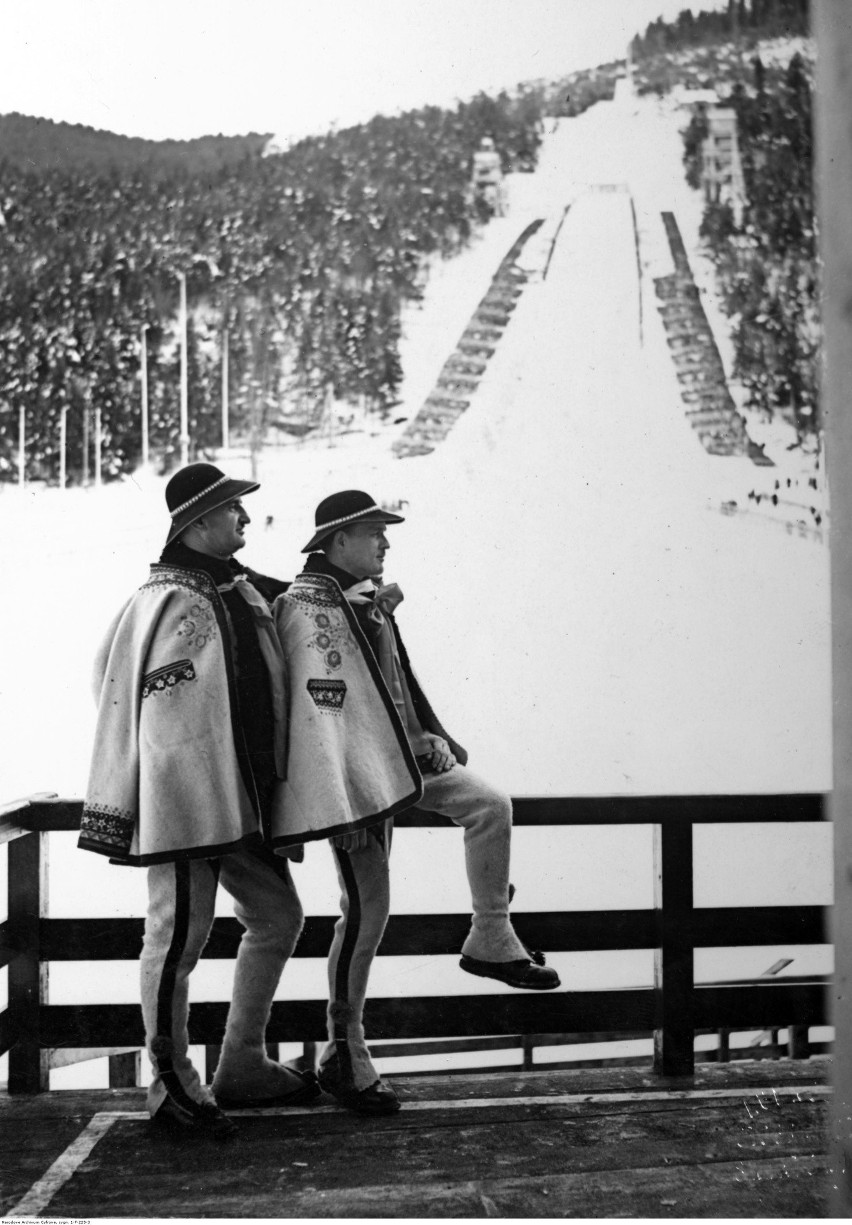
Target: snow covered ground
[581, 614]
[578, 607]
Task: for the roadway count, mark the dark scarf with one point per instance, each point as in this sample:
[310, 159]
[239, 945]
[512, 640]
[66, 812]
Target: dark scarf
[253, 693]
[318, 563]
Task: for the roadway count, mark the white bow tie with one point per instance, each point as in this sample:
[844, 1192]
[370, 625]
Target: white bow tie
[383, 599]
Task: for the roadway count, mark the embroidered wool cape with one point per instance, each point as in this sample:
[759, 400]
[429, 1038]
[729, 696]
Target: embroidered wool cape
[170, 777]
[349, 763]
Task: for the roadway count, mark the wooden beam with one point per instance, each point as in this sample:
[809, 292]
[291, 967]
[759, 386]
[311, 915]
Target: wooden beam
[759, 1005]
[406, 935]
[49, 813]
[421, 935]
[125, 1070]
[745, 1006]
[64, 814]
[798, 1042]
[8, 944]
[648, 810]
[409, 1017]
[12, 813]
[67, 1056]
[411, 1048]
[307, 1061]
[674, 1024]
[6, 1031]
[749, 926]
[29, 1064]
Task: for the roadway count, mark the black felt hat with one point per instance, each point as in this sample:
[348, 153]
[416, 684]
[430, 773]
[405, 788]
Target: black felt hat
[341, 509]
[197, 489]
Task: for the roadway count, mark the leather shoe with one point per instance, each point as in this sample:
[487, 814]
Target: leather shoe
[522, 974]
[203, 1118]
[305, 1094]
[377, 1098]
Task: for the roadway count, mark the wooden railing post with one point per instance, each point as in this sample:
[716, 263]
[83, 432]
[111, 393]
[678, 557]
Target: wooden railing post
[125, 1070]
[723, 1054]
[211, 1061]
[307, 1061]
[29, 1065]
[674, 956]
[798, 1042]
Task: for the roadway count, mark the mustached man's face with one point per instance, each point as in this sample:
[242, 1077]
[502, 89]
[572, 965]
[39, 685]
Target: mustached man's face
[222, 531]
[361, 549]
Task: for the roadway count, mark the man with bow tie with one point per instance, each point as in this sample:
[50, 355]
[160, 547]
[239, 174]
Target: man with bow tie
[364, 745]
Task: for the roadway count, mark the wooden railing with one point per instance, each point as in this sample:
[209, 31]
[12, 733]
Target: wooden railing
[673, 1009]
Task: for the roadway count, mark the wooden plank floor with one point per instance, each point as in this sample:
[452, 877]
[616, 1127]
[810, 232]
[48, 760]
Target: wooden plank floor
[742, 1140]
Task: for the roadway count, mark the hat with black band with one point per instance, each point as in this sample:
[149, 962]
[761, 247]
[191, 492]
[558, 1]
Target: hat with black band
[197, 489]
[343, 509]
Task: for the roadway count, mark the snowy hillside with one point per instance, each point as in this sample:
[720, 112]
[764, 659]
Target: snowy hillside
[583, 617]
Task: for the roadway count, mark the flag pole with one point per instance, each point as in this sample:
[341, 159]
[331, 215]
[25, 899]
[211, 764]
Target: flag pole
[144, 370]
[184, 378]
[225, 436]
[22, 447]
[63, 441]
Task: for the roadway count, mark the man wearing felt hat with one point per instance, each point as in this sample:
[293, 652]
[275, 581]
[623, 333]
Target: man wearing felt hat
[189, 747]
[364, 743]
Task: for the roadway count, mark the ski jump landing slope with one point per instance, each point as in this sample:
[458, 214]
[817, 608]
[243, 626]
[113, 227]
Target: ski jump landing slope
[583, 618]
[601, 627]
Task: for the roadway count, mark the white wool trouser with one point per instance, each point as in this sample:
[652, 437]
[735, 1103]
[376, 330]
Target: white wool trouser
[485, 815]
[364, 908]
[181, 905]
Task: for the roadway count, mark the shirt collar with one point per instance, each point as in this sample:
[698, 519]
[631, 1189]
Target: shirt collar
[318, 563]
[179, 554]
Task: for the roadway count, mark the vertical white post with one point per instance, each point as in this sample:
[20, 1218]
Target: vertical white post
[329, 414]
[86, 425]
[144, 371]
[833, 27]
[97, 448]
[63, 443]
[184, 376]
[22, 447]
[225, 435]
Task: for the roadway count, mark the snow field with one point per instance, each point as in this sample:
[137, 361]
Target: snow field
[580, 614]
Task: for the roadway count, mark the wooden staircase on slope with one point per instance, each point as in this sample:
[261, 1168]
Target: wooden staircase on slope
[461, 373]
[709, 406]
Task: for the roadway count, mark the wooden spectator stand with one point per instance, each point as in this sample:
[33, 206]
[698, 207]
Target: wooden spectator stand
[833, 28]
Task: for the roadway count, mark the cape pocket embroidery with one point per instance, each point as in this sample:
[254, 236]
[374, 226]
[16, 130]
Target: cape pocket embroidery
[164, 680]
[328, 695]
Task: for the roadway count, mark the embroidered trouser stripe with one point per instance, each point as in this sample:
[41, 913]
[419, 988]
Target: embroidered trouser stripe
[353, 925]
[344, 960]
[181, 904]
[364, 903]
[181, 908]
[165, 995]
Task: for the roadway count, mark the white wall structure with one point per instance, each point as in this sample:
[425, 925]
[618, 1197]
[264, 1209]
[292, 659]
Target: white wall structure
[833, 21]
